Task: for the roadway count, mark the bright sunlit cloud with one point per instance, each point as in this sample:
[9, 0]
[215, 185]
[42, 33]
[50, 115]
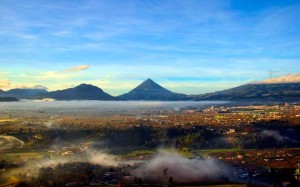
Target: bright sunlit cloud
[77, 68]
[283, 79]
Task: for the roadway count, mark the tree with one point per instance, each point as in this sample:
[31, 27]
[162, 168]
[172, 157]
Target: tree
[297, 172]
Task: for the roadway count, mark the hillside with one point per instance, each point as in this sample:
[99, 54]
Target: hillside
[8, 99]
[278, 91]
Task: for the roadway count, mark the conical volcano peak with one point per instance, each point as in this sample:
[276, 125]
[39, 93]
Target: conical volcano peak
[149, 84]
[150, 90]
[83, 85]
[149, 80]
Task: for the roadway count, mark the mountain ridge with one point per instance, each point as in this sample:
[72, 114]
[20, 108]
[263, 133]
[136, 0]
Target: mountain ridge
[269, 91]
[80, 92]
[150, 91]
[22, 93]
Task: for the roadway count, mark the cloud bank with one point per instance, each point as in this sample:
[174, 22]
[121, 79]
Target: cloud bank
[7, 85]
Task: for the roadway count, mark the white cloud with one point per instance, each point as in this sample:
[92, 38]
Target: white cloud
[77, 68]
[7, 85]
[36, 87]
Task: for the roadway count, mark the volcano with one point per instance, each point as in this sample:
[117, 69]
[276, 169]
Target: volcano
[150, 90]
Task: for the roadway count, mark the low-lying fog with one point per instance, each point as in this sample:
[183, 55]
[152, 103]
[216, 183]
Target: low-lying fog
[103, 106]
[159, 168]
[182, 169]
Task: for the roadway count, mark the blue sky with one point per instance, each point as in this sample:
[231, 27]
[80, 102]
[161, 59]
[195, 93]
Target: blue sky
[187, 46]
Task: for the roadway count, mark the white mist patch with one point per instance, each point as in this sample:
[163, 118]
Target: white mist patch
[44, 100]
[51, 162]
[181, 169]
[90, 156]
[10, 142]
[102, 158]
[94, 157]
[276, 135]
[99, 107]
[272, 134]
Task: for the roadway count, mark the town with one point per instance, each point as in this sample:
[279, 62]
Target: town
[258, 141]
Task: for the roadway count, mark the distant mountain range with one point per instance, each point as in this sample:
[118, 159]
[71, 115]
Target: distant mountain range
[81, 92]
[276, 91]
[22, 93]
[149, 90]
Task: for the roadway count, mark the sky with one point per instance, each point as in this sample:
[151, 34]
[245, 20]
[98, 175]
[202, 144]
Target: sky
[190, 46]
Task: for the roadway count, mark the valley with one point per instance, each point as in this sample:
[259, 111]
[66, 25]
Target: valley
[255, 143]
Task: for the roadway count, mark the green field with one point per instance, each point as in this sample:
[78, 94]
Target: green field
[21, 156]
